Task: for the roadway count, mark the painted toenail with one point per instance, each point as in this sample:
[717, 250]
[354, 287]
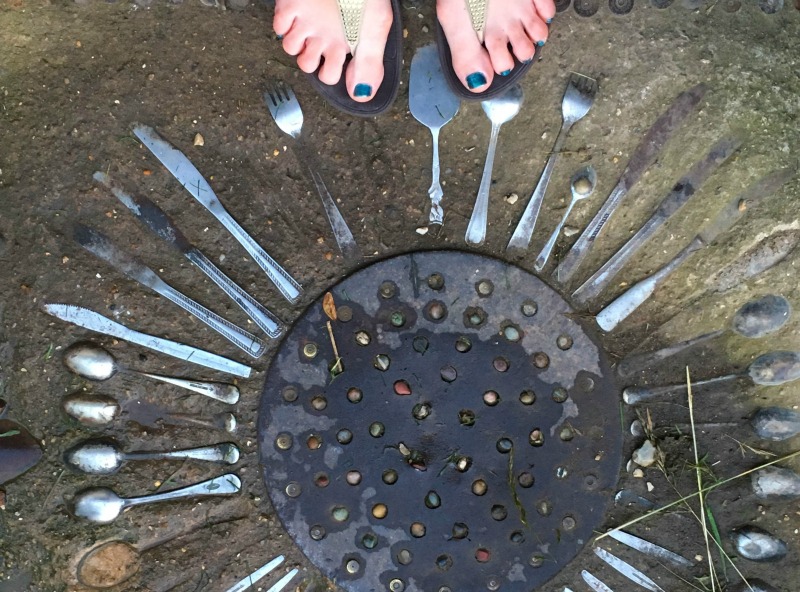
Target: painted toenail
[549, 21]
[476, 79]
[280, 37]
[362, 90]
[540, 43]
[505, 73]
[528, 61]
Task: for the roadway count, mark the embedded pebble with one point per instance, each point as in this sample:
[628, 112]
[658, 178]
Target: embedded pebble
[630, 499]
[761, 317]
[199, 140]
[776, 483]
[571, 231]
[754, 586]
[638, 473]
[423, 230]
[645, 455]
[776, 423]
[756, 544]
[512, 198]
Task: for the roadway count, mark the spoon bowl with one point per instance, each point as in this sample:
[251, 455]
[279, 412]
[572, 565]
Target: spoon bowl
[504, 108]
[97, 504]
[91, 410]
[761, 317]
[109, 565]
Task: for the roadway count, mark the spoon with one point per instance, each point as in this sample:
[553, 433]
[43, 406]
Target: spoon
[102, 506]
[95, 363]
[753, 320]
[582, 186]
[104, 456]
[433, 104]
[499, 110]
[774, 368]
[101, 410]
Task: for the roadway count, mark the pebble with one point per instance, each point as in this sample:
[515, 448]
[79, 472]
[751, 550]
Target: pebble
[512, 198]
[776, 483]
[637, 429]
[756, 544]
[199, 140]
[638, 473]
[754, 586]
[776, 423]
[423, 230]
[645, 456]
[571, 231]
[628, 499]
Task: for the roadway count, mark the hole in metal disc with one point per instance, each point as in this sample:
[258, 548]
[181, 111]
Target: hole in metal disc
[541, 360]
[404, 557]
[567, 433]
[432, 500]
[290, 394]
[564, 342]
[344, 313]
[544, 507]
[732, 5]
[483, 555]
[420, 344]
[463, 464]
[319, 403]
[293, 489]
[560, 394]
[340, 514]
[353, 477]
[500, 364]
[491, 398]
[417, 530]
[436, 281]
[389, 476]
[504, 445]
[421, 411]
[466, 417]
[376, 429]
[397, 585]
[444, 562]
[586, 8]
[499, 512]
[536, 561]
[493, 583]
[484, 288]
[448, 373]
[568, 523]
[401, 387]
[620, 6]
[562, 472]
[590, 481]
[536, 437]
[479, 487]
[344, 436]
[387, 289]
[362, 338]
[354, 395]
[525, 479]
[382, 362]
[517, 537]
[317, 532]
[314, 442]
[770, 6]
[436, 311]
[529, 308]
[380, 511]
[474, 316]
[321, 480]
[585, 383]
[463, 345]
[352, 566]
[397, 319]
[527, 397]
[511, 332]
[284, 441]
[310, 350]
[460, 531]
[369, 540]
[445, 589]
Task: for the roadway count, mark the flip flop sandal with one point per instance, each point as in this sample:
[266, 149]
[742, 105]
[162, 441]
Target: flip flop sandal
[500, 84]
[352, 12]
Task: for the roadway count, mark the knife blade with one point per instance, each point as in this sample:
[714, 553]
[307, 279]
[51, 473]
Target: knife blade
[187, 175]
[684, 189]
[101, 247]
[89, 319]
[643, 156]
[162, 225]
[627, 570]
[594, 583]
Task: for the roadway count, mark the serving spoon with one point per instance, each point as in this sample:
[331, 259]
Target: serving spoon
[105, 456]
[96, 363]
[102, 506]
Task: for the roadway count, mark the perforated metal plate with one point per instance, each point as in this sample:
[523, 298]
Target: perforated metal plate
[472, 440]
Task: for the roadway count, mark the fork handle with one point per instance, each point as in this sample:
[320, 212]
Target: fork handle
[524, 231]
[541, 260]
[435, 191]
[476, 230]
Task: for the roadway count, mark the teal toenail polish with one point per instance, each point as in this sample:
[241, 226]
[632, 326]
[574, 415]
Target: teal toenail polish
[540, 43]
[549, 21]
[528, 61]
[476, 79]
[505, 73]
[280, 37]
[362, 90]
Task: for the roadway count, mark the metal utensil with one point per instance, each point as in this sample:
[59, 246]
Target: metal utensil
[499, 110]
[627, 570]
[88, 319]
[157, 221]
[582, 186]
[643, 156]
[191, 179]
[95, 410]
[101, 247]
[262, 572]
[285, 110]
[753, 320]
[105, 456]
[675, 199]
[578, 99]
[649, 548]
[102, 506]
[95, 363]
[595, 584]
[433, 104]
[774, 368]
[19, 450]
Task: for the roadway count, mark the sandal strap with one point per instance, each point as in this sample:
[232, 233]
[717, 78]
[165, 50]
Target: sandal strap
[352, 13]
[477, 13]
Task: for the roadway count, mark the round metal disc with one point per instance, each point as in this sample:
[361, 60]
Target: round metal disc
[468, 439]
[586, 7]
[661, 4]
[620, 6]
[770, 6]
[562, 5]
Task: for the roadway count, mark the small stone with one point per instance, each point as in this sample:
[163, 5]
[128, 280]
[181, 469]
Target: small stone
[571, 231]
[512, 198]
[775, 483]
[637, 429]
[199, 140]
[422, 230]
[638, 473]
[645, 456]
[650, 487]
[756, 544]
[776, 423]
[582, 186]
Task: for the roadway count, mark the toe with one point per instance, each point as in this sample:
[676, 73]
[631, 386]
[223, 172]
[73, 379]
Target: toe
[283, 20]
[331, 70]
[471, 62]
[497, 46]
[365, 71]
[308, 60]
[522, 44]
[295, 40]
[545, 8]
[535, 29]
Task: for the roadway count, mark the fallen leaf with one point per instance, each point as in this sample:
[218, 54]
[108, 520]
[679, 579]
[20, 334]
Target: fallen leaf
[329, 306]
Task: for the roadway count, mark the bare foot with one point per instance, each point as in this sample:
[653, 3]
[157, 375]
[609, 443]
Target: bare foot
[312, 30]
[520, 24]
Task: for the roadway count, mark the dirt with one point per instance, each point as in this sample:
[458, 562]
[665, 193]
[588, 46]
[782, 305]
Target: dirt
[75, 77]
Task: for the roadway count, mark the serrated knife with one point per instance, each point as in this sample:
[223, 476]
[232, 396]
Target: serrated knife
[101, 247]
[187, 175]
[162, 226]
[88, 319]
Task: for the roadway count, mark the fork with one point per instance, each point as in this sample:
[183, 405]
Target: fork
[285, 110]
[578, 99]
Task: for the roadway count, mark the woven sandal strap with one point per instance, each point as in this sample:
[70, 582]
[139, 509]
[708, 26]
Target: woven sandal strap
[477, 12]
[352, 13]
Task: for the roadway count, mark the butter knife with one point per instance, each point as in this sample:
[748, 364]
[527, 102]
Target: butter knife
[162, 225]
[187, 175]
[100, 246]
[88, 319]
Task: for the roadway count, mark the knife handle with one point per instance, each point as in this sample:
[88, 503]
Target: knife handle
[239, 337]
[262, 317]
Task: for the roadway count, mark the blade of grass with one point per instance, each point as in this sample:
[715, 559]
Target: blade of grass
[712, 522]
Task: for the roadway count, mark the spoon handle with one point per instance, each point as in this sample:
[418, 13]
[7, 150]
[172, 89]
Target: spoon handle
[541, 260]
[227, 484]
[637, 394]
[227, 393]
[225, 453]
[435, 191]
[635, 362]
[219, 421]
[476, 230]
[256, 576]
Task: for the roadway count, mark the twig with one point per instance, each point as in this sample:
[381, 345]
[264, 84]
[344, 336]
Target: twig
[338, 364]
